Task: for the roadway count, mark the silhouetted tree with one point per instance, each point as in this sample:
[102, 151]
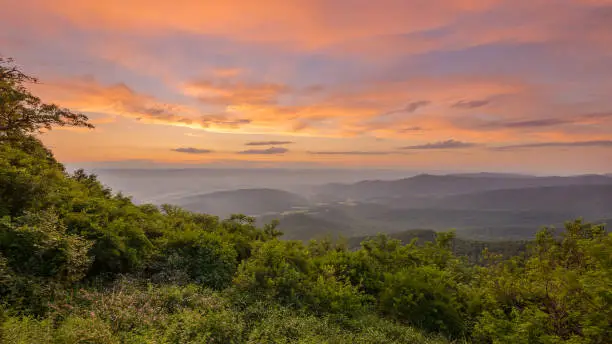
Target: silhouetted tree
[21, 112]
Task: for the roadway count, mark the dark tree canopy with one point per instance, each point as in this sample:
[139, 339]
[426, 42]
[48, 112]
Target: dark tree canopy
[21, 112]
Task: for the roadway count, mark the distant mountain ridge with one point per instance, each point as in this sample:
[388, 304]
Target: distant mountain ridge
[488, 208]
[492, 175]
[483, 206]
[244, 201]
[427, 185]
[575, 200]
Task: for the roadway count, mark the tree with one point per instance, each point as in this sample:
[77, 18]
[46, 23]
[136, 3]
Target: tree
[21, 112]
[558, 293]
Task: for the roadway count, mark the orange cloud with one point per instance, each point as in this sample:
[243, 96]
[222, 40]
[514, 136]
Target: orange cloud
[305, 22]
[87, 95]
[231, 93]
[397, 70]
[473, 109]
[343, 26]
[227, 72]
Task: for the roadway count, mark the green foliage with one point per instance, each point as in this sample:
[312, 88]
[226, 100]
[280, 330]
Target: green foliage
[26, 330]
[425, 297]
[29, 176]
[73, 330]
[84, 330]
[559, 293]
[22, 112]
[38, 245]
[274, 324]
[285, 271]
[38, 256]
[197, 327]
[205, 257]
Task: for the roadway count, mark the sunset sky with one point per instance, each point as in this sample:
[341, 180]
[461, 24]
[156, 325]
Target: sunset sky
[415, 84]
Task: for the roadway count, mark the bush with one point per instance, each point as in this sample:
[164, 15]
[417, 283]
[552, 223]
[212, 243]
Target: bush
[284, 272]
[424, 297]
[38, 245]
[29, 176]
[282, 325]
[26, 330]
[77, 330]
[560, 293]
[201, 326]
[205, 257]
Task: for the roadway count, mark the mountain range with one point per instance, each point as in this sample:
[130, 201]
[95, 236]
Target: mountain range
[483, 206]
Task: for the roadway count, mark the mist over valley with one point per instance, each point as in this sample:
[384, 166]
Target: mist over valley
[316, 203]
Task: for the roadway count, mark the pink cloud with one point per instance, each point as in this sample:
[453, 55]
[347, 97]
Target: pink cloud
[512, 108]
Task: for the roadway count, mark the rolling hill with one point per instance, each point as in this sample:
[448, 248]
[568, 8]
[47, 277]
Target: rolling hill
[470, 224]
[482, 206]
[423, 186]
[505, 214]
[572, 200]
[251, 202]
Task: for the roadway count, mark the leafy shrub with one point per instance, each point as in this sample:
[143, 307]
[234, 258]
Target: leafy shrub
[38, 245]
[29, 176]
[284, 272]
[192, 326]
[130, 304]
[26, 330]
[77, 330]
[283, 325]
[424, 297]
[205, 257]
[559, 293]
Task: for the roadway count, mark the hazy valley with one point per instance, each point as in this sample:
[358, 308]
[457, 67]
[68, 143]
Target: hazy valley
[342, 203]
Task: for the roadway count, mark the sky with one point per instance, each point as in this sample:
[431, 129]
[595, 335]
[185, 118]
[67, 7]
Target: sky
[474, 85]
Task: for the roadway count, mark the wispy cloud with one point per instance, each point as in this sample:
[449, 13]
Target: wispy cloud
[409, 108]
[470, 104]
[251, 107]
[484, 71]
[268, 143]
[410, 129]
[448, 144]
[227, 72]
[88, 95]
[375, 25]
[350, 152]
[535, 123]
[192, 150]
[595, 143]
[224, 92]
[271, 151]
[597, 116]
[194, 135]
[589, 118]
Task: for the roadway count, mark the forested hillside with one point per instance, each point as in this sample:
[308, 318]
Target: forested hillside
[81, 264]
[473, 250]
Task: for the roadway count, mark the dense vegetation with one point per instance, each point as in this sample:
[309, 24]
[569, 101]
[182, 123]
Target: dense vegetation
[473, 250]
[79, 264]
